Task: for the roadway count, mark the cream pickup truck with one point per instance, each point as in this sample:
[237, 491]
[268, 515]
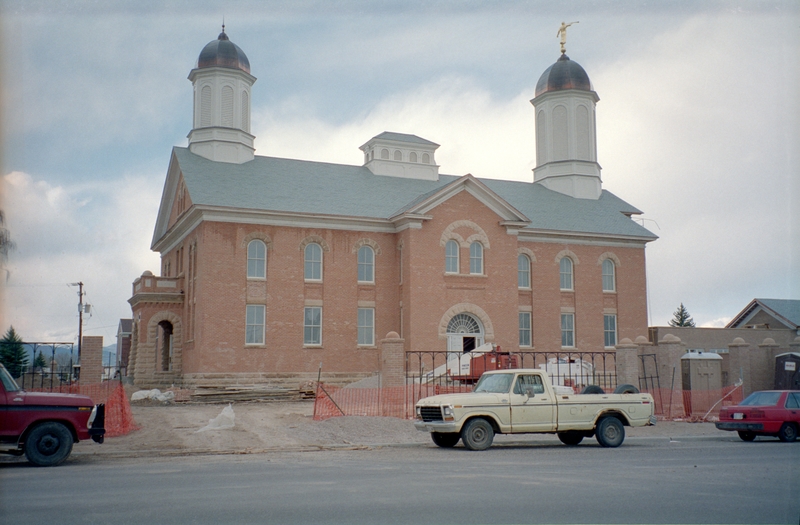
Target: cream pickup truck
[523, 401]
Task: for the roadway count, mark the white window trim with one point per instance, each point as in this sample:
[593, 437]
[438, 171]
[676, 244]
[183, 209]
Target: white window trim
[571, 275]
[371, 265]
[321, 263]
[372, 328]
[572, 315]
[528, 261]
[480, 259]
[457, 257]
[314, 344]
[616, 333]
[529, 329]
[255, 278]
[263, 324]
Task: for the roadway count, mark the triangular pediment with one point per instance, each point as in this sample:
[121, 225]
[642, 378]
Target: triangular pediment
[166, 216]
[508, 214]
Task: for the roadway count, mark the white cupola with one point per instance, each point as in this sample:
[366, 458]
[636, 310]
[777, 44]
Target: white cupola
[401, 155]
[222, 83]
[566, 138]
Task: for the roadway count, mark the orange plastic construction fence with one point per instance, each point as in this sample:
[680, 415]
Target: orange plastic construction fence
[330, 401]
[119, 419]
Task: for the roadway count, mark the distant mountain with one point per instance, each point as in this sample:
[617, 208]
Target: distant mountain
[109, 352]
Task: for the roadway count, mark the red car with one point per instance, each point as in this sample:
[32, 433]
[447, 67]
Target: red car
[766, 413]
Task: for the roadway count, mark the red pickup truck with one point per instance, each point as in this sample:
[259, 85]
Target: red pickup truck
[43, 426]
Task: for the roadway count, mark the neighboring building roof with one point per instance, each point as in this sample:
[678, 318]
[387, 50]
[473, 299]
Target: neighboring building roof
[296, 186]
[125, 326]
[785, 311]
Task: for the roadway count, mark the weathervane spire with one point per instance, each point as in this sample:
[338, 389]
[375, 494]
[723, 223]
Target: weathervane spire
[562, 32]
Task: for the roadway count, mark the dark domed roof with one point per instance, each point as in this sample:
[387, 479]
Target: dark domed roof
[564, 74]
[223, 53]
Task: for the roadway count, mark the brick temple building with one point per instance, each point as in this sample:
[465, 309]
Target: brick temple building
[272, 266]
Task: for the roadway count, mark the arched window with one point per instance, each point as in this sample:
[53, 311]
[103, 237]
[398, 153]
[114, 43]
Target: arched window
[313, 262]
[566, 273]
[412, 157]
[476, 258]
[256, 259]
[227, 107]
[426, 159]
[609, 276]
[205, 106]
[366, 265]
[451, 257]
[385, 154]
[523, 271]
[398, 155]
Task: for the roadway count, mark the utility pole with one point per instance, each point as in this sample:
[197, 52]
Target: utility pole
[80, 316]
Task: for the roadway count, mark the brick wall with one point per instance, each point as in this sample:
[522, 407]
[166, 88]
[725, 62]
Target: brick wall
[91, 359]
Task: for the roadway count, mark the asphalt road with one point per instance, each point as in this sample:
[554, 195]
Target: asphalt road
[538, 480]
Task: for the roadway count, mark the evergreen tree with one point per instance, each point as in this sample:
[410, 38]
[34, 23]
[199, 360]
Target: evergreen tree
[681, 317]
[12, 353]
[40, 362]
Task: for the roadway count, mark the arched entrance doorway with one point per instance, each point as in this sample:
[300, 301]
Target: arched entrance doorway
[164, 348]
[464, 333]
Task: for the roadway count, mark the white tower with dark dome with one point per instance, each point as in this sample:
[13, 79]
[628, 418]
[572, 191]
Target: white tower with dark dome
[566, 131]
[221, 123]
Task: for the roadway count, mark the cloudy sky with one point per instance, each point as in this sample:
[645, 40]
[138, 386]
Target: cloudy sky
[698, 125]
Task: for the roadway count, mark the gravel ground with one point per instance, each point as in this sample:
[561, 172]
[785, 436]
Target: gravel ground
[262, 427]
[288, 426]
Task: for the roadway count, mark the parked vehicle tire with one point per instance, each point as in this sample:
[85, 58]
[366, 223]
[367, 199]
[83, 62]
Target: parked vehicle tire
[610, 432]
[592, 389]
[570, 438]
[787, 433]
[48, 444]
[478, 434]
[626, 389]
[746, 435]
[445, 439]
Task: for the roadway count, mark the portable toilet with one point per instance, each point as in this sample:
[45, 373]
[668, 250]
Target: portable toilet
[787, 371]
[701, 374]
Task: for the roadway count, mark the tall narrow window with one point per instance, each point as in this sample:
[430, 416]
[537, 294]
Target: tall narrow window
[313, 262]
[366, 326]
[312, 326]
[451, 257]
[609, 277]
[524, 329]
[566, 273]
[366, 265]
[256, 260]
[610, 330]
[476, 258]
[568, 330]
[254, 330]
[523, 271]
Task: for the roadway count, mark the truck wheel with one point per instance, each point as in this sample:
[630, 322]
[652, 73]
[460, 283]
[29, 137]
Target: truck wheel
[610, 432]
[592, 389]
[477, 434]
[445, 439]
[746, 436]
[570, 438]
[787, 433]
[48, 444]
[626, 389]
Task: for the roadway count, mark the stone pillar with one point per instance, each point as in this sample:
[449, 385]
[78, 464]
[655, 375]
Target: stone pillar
[91, 359]
[669, 353]
[393, 369]
[739, 359]
[762, 365]
[627, 359]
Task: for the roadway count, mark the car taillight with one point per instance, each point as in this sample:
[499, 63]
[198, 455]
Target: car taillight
[756, 414]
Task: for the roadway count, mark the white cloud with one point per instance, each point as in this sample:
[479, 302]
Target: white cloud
[96, 234]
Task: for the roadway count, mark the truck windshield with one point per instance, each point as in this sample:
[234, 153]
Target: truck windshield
[8, 382]
[494, 383]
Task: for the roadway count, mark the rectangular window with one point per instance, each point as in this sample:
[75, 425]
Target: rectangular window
[366, 326]
[610, 330]
[312, 326]
[254, 330]
[524, 329]
[568, 330]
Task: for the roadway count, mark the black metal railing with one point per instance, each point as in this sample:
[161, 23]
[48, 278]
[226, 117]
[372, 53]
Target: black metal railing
[456, 371]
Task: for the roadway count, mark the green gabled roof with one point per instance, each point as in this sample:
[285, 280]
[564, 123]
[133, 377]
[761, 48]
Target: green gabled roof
[297, 186]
